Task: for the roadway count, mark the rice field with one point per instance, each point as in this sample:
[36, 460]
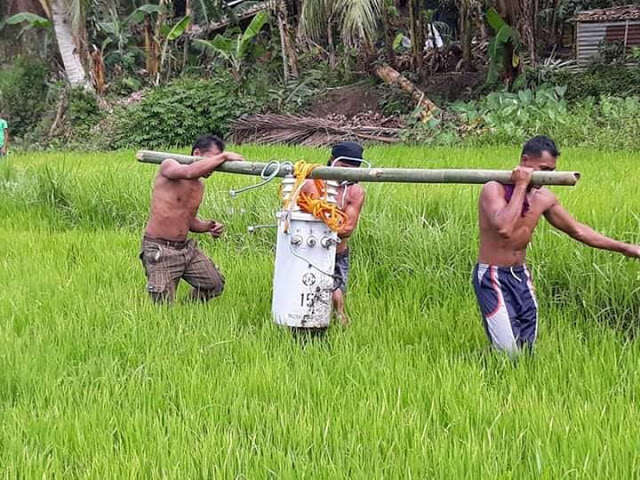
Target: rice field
[96, 382]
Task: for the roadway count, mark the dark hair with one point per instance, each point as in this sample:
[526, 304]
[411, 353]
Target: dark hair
[539, 144]
[204, 143]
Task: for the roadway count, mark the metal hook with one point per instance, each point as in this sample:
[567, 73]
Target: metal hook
[265, 178]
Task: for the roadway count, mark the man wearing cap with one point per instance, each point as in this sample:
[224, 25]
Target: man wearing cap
[350, 199]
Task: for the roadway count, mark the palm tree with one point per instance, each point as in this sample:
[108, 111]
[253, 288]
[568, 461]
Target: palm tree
[357, 20]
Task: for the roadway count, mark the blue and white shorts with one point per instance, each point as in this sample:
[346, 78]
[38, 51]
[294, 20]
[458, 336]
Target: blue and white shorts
[508, 305]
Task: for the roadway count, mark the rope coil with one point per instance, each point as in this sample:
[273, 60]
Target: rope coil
[320, 208]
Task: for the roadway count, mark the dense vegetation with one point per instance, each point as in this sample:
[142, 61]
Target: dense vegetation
[97, 382]
[161, 72]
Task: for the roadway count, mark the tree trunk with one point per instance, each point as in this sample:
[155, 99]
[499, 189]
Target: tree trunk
[466, 32]
[480, 24]
[392, 77]
[554, 19]
[69, 51]
[332, 48]
[98, 70]
[417, 38]
[157, 42]
[525, 26]
[511, 11]
[289, 54]
[150, 48]
[185, 50]
[388, 36]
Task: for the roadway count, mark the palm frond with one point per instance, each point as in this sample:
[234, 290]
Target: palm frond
[359, 20]
[314, 17]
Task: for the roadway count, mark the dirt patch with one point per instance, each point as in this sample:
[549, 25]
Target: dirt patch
[348, 101]
[453, 86]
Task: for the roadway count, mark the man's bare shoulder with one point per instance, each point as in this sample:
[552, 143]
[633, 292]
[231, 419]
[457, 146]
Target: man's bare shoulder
[546, 197]
[167, 165]
[168, 162]
[491, 189]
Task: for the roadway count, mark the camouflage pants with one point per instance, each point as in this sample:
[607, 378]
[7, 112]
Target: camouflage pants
[166, 262]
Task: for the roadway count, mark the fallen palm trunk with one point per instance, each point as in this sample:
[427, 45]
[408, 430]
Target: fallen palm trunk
[394, 175]
[393, 77]
[308, 131]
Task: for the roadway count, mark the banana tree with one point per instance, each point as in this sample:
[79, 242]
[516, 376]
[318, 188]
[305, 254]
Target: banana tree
[234, 49]
[503, 49]
[30, 21]
[119, 44]
[171, 33]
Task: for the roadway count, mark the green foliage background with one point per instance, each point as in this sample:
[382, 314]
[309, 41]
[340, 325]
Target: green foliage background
[175, 114]
[23, 95]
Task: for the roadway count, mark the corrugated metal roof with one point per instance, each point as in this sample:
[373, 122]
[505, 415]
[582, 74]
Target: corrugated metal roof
[626, 12]
[590, 35]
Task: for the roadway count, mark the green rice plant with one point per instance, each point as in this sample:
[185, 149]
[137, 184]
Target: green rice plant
[99, 383]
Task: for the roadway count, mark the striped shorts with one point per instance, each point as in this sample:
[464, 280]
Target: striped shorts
[508, 305]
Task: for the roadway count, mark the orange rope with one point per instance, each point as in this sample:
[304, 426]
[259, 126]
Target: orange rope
[320, 208]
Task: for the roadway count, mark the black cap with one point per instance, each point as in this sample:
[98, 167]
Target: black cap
[348, 149]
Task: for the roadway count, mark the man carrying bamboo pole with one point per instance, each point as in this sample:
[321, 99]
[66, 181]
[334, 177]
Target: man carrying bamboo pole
[508, 215]
[167, 255]
[350, 200]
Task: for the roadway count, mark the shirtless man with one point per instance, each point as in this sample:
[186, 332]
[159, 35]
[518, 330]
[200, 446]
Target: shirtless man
[350, 200]
[508, 215]
[167, 255]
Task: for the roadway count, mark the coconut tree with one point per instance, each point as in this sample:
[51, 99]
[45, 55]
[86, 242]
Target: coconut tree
[69, 44]
[357, 21]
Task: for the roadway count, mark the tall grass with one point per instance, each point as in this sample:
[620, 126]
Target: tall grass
[98, 383]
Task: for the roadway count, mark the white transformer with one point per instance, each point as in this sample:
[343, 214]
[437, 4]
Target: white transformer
[305, 259]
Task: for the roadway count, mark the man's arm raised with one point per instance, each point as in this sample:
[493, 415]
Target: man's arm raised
[176, 171]
[557, 216]
[504, 215]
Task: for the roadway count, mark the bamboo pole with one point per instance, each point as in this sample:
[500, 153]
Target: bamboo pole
[395, 175]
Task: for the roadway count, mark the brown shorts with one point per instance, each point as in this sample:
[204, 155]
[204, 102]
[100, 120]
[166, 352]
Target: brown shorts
[166, 262]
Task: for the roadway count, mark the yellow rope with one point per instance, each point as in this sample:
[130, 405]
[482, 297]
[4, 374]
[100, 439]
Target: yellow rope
[320, 208]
